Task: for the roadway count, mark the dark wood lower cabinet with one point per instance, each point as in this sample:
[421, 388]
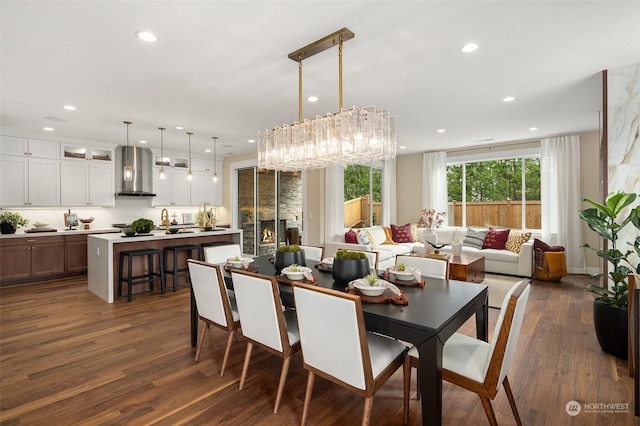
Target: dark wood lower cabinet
[75, 251]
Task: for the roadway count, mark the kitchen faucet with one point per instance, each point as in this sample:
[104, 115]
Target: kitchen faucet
[164, 219]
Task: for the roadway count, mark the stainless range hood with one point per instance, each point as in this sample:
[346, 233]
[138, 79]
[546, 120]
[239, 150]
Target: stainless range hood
[141, 160]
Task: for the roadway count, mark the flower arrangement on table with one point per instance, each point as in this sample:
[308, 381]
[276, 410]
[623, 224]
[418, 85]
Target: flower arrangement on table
[431, 219]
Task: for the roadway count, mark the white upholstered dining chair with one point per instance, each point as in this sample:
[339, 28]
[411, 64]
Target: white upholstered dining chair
[215, 307]
[220, 253]
[313, 253]
[265, 323]
[480, 366]
[429, 267]
[336, 346]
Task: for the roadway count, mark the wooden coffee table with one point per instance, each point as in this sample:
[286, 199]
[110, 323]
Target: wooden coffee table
[466, 267]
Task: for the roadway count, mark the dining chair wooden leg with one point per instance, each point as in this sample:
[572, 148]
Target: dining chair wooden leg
[406, 370]
[283, 379]
[245, 366]
[307, 397]
[199, 348]
[486, 403]
[232, 334]
[512, 401]
[368, 406]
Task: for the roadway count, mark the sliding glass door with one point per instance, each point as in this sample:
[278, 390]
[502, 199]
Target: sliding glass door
[269, 209]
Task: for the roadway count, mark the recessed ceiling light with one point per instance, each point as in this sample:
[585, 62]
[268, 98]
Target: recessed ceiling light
[146, 36]
[69, 107]
[532, 129]
[207, 150]
[312, 99]
[142, 141]
[402, 147]
[508, 99]
[441, 130]
[469, 47]
[252, 141]
[179, 128]
[48, 129]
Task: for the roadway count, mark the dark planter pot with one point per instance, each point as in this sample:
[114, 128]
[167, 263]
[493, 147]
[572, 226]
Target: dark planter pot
[345, 270]
[7, 228]
[143, 231]
[286, 258]
[612, 327]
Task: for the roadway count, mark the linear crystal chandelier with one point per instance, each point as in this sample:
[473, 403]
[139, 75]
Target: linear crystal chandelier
[353, 136]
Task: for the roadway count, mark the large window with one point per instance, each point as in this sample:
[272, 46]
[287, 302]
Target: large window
[501, 193]
[362, 195]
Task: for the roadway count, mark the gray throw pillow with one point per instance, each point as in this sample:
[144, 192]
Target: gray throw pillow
[474, 238]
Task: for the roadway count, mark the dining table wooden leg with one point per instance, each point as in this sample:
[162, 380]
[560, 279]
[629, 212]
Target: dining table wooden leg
[430, 372]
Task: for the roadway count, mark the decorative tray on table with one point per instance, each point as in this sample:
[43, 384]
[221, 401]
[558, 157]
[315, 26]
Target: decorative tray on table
[285, 280]
[230, 268]
[387, 297]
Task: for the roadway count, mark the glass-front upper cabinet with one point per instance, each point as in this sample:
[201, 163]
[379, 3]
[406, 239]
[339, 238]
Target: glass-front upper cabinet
[80, 152]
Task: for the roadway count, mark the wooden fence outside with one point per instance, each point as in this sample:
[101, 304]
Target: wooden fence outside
[356, 212]
[503, 214]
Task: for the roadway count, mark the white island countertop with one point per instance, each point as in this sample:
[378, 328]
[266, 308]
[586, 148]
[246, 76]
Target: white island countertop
[103, 253]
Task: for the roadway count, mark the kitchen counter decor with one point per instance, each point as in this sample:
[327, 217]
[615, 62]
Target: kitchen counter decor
[10, 221]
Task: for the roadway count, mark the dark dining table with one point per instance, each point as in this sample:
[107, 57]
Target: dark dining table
[433, 313]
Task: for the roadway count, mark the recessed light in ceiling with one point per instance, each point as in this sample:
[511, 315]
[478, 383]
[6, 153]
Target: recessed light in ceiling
[142, 141]
[508, 99]
[207, 150]
[48, 129]
[146, 36]
[252, 141]
[179, 128]
[312, 99]
[69, 107]
[469, 47]
[402, 147]
[441, 130]
[57, 119]
[531, 129]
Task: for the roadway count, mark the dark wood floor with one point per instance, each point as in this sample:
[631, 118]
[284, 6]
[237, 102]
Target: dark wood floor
[68, 358]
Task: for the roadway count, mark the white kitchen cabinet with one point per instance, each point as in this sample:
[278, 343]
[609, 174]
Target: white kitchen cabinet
[11, 145]
[205, 190]
[85, 183]
[33, 182]
[174, 190]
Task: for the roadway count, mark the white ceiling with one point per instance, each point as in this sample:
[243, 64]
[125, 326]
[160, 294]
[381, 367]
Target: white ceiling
[220, 68]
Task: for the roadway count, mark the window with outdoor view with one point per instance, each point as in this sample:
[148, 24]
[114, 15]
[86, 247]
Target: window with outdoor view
[500, 193]
[362, 195]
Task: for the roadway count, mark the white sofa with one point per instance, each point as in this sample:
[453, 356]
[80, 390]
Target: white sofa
[496, 261]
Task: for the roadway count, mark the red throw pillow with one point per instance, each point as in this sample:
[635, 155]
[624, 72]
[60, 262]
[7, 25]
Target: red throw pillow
[496, 239]
[544, 247]
[402, 234]
[350, 237]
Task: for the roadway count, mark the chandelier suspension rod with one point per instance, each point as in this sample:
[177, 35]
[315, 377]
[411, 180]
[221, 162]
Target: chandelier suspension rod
[340, 75]
[300, 89]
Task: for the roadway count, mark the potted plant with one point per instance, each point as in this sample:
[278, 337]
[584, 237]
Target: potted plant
[10, 221]
[142, 225]
[611, 306]
[349, 266]
[288, 255]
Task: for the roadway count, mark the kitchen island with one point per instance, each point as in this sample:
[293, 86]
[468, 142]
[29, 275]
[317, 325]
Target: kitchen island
[103, 253]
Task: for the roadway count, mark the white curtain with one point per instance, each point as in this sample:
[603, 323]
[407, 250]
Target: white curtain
[434, 185]
[389, 209]
[560, 193]
[334, 202]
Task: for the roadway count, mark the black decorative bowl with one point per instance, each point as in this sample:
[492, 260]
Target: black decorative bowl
[286, 258]
[346, 270]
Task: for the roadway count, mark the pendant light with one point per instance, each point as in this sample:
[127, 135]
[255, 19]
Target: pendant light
[162, 175]
[215, 160]
[127, 171]
[189, 175]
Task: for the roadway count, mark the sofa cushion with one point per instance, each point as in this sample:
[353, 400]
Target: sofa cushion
[496, 239]
[500, 255]
[350, 237]
[377, 235]
[388, 236]
[384, 254]
[396, 249]
[365, 238]
[474, 238]
[544, 247]
[516, 240]
[414, 232]
[402, 234]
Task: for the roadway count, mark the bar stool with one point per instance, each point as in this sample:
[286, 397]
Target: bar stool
[175, 250]
[149, 277]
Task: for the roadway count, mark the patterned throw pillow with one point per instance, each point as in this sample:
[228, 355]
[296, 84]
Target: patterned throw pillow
[402, 234]
[516, 240]
[388, 235]
[474, 238]
[365, 237]
[414, 231]
[496, 239]
[350, 237]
